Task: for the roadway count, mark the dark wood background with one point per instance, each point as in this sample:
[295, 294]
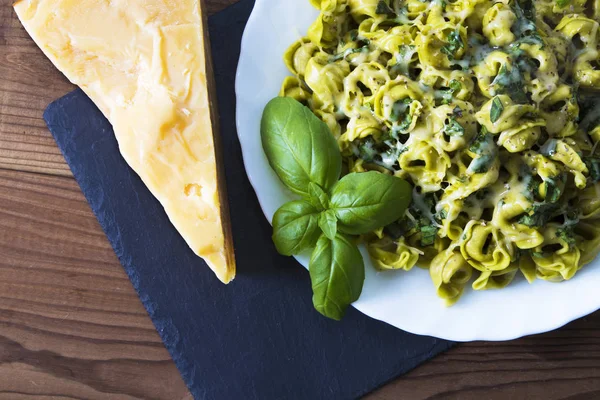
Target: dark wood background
[71, 325]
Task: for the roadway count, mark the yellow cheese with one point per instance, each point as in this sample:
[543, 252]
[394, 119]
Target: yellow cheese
[143, 63]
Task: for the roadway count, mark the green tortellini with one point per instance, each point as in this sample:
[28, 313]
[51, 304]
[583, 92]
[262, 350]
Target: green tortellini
[497, 22]
[387, 254]
[450, 273]
[488, 108]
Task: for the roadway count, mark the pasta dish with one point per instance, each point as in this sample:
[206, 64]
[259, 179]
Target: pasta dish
[488, 108]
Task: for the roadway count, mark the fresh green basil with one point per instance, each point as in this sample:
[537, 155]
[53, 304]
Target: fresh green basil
[328, 223]
[496, 110]
[337, 273]
[299, 146]
[366, 201]
[305, 156]
[295, 227]
[317, 197]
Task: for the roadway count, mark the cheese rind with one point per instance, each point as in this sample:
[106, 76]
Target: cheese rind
[143, 64]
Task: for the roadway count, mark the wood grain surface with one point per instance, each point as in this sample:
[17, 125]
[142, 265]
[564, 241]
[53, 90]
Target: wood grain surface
[72, 327]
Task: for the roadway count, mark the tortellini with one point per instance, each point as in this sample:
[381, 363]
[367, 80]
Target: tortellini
[488, 107]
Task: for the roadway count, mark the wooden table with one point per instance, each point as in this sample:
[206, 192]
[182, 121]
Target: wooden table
[71, 325]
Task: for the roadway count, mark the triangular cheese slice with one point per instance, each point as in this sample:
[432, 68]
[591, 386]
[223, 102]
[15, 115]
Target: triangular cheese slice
[146, 65]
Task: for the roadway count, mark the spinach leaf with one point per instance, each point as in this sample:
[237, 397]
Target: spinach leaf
[457, 112]
[539, 214]
[482, 164]
[496, 110]
[328, 223]
[337, 273]
[566, 235]
[346, 53]
[549, 148]
[562, 3]
[397, 229]
[480, 141]
[453, 45]
[593, 165]
[554, 187]
[405, 55]
[299, 146]
[366, 201]
[453, 128]
[527, 8]
[317, 197]
[401, 114]
[295, 227]
[428, 234]
[383, 8]
[447, 95]
[455, 85]
[510, 83]
[366, 150]
[483, 145]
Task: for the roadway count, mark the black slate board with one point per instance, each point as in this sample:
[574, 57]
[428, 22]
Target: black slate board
[259, 337]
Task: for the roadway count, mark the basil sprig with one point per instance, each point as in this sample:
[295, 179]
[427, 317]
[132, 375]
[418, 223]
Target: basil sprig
[299, 146]
[306, 158]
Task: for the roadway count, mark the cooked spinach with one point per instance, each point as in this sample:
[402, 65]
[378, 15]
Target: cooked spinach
[496, 109]
[453, 128]
[383, 8]
[453, 44]
[593, 164]
[566, 235]
[540, 214]
[510, 82]
[554, 187]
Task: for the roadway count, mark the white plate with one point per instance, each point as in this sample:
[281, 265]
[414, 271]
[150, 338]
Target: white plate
[406, 300]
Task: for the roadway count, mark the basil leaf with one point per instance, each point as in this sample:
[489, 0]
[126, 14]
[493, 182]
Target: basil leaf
[496, 109]
[366, 201]
[295, 227]
[299, 146]
[337, 273]
[317, 197]
[328, 223]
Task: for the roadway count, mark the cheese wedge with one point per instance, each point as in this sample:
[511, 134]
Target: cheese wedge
[146, 65]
